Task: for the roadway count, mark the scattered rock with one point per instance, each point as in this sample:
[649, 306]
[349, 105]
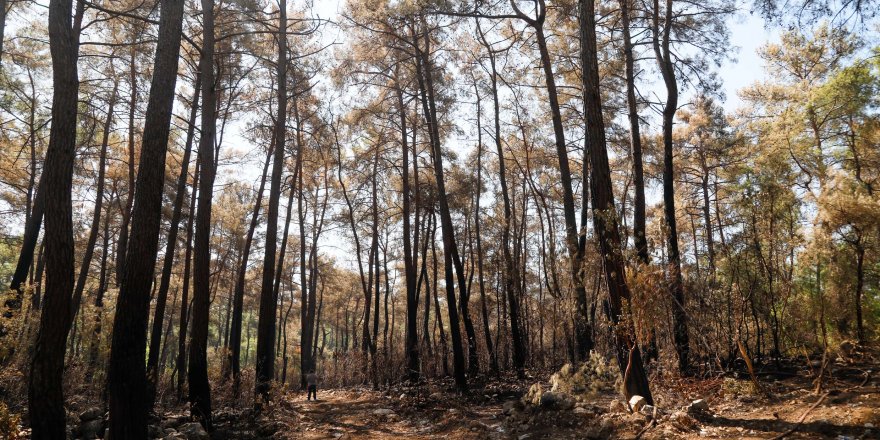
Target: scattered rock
[698, 407]
[580, 410]
[172, 422]
[91, 414]
[383, 412]
[683, 421]
[510, 406]
[549, 398]
[194, 431]
[436, 396]
[616, 406]
[637, 402]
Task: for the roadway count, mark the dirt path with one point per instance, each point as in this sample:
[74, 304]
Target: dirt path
[344, 414]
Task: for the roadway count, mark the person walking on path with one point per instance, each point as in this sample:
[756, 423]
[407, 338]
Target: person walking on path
[312, 382]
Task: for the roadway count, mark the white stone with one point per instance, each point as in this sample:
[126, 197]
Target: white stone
[637, 402]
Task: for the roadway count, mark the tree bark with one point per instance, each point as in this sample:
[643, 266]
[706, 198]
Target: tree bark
[126, 385]
[450, 249]
[45, 391]
[268, 305]
[676, 284]
[85, 266]
[122, 241]
[234, 362]
[583, 330]
[199, 389]
[639, 239]
[168, 263]
[413, 372]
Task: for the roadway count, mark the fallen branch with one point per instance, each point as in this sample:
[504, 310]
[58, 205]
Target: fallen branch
[801, 420]
[648, 426]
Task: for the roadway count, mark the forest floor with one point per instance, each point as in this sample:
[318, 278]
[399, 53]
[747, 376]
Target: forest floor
[786, 406]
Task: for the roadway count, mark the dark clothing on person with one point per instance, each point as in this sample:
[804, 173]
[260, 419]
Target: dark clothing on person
[312, 382]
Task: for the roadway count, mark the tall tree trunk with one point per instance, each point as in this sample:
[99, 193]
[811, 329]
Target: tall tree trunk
[45, 391]
[409, 262]
[199, 389]
[450, 249]
[122, 241]
[484, 308]
[184, 301]
[604, 213]
[126, 384]
[268, 305]
[85, 266]
[234, 361]
[639, 238]
[860, 286]
[583, 330]
[511, 271]
[168, 263]
[676, 284]
[3, 8]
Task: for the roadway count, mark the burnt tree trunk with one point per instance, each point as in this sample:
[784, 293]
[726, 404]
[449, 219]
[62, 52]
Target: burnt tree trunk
[168, 263]
[604, 213]
[45, 391]
[676, 284]
[199, 388]
[127, 384]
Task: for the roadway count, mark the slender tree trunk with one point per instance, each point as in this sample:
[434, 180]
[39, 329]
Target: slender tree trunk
[234, 361]
[860, 285]
[127, 384]
[122, 241]
[413, 372]
[199, 388]
[639, 238]
[268, 305]
[487, 334]
[45, 391]
[450, 249]
[583, 331]
[676, 284]
[99, 296]
[85, 266]
[168, 263]
[184, 302]
[3, 8]
[511, 272]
